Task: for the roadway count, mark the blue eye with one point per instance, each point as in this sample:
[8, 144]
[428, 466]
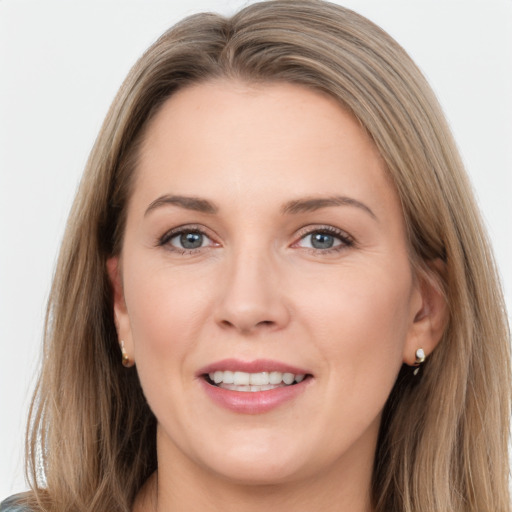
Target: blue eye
[185, 240]
[191, 240]
[325, 240]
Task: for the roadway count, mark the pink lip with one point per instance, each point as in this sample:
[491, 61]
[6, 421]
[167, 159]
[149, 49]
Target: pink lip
[258, 402]
[258, 365]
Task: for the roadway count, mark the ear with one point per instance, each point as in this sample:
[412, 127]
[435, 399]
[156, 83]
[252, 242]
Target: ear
[429, 314]
[121, 318]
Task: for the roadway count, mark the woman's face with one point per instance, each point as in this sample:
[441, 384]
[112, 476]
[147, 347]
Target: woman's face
[267, 296]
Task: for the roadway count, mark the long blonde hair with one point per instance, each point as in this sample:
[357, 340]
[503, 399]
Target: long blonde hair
[443, 442]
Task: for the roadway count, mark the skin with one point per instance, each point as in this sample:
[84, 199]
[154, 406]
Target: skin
[257, 288]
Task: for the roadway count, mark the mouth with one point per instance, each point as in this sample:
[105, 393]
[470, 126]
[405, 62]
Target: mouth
[253, 382]
[253, 387]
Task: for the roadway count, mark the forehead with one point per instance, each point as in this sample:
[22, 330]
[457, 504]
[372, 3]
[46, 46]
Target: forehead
[248, 141]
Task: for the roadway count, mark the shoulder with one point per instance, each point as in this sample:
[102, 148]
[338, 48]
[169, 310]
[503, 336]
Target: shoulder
[12, 504]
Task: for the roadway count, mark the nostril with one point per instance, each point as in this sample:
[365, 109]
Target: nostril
[265, 323]
[258, 325]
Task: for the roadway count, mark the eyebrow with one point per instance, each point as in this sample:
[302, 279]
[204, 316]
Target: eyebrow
[316, 203]
[308, 204]
[189, 203]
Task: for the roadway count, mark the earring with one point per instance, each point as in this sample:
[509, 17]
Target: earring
[124, 356]
[420, 359]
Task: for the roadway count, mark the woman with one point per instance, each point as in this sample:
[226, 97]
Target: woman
[275, 288]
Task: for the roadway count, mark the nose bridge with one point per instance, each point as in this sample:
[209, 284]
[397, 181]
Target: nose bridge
[252, 296]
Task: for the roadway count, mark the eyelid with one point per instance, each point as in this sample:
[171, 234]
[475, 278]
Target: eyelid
[346, 239]
[164, 239]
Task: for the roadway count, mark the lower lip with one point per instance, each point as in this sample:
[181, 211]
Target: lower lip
[253, 402]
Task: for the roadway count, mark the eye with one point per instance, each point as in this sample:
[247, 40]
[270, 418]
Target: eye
[325, 239]
[190, 240]
[320, 241]
[185, 240]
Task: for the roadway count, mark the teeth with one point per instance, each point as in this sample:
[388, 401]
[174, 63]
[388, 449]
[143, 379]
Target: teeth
[288, 378]
[260, 381]
[275, 377]
[228, 377]
[241, 379]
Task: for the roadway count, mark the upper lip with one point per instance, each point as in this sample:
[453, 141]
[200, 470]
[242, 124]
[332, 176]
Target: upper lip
[255, 366]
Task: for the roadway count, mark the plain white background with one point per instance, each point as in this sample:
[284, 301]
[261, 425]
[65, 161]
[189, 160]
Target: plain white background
[61, 64]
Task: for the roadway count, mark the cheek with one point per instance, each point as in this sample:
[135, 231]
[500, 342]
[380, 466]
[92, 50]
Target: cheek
[360, 322]
[164, 306]
[166, 315]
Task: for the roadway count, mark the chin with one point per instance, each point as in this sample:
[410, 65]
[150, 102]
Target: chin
[269, 472]
[261, 460]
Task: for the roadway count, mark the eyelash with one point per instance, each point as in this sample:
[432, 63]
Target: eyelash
[164, 241]
[345, 239]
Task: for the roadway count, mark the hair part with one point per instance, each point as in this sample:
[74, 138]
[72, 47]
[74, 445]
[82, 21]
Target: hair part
[443, 442]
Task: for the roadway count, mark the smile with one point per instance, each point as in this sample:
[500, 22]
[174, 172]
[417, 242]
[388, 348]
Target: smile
[253, 387]
[253, 382]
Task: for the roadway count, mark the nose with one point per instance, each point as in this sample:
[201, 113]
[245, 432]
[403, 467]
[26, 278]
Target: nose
[251, 297]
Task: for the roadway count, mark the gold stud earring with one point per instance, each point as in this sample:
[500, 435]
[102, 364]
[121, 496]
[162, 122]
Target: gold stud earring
[420, 359]
[124, 356]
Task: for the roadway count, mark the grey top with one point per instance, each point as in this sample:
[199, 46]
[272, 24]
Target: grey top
[9, 505]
